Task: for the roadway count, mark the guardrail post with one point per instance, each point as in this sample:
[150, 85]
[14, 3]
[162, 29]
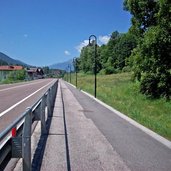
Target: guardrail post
[50, 91]
[55, 90]
[49, 103]
[13, 132]
[26, 141]
[42, 116]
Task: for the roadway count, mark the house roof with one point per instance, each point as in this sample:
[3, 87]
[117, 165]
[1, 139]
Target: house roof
[35, 70]
[32, 70]
[10, 68]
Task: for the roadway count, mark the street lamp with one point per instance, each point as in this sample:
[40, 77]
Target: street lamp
[95, 61]
[67, 73]
[75, 66]
[69, 66]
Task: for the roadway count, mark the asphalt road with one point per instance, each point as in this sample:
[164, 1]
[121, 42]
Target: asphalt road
[15, 98]
[137, 149]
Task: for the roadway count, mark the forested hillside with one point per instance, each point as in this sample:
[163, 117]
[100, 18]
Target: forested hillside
[2, 62]
[6, 60]
[112, 57]
[145, 49]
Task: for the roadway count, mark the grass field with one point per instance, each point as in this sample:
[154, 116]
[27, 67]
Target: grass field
[122, 94]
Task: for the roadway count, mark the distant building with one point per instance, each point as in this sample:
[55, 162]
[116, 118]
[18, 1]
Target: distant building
[56, 72]
[6, 69]
[35, 73]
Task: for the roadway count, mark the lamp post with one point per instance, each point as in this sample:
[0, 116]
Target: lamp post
[75, 66]
[95, 61]
[67, 73]
[69, 66]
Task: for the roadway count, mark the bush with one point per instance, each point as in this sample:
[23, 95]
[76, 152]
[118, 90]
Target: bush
[15, 76]
[109, 70]
[126, 69]
[20, 75]
[156, 85]
[149, 86]
[102, 72]
[89, 72]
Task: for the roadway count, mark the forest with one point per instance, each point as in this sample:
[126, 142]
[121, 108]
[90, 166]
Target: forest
[145, 50]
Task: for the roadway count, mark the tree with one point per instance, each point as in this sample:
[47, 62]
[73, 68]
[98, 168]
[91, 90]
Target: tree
[3, 62]
[46, 70]
[110, 57]
[152, 58]
[21, 74]
[17, 75]
[107, 54]
[123, 48]
[144, 14]
[117, 51]
[87, 62]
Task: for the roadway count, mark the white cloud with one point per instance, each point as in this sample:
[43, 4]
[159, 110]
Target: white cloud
[25, 35]
[81, 45]
[67, 52]
[104, 39]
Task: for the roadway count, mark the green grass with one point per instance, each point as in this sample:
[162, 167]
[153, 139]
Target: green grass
[121, 93]
[8, 81]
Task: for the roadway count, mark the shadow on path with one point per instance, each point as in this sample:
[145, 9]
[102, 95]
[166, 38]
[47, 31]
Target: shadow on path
[39, 152]
[66, 137]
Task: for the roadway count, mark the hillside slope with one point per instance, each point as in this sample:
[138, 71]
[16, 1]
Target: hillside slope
[63, 65]
[11, 61]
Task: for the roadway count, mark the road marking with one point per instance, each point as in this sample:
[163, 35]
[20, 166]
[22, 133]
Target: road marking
[12, 107]
[19, 86]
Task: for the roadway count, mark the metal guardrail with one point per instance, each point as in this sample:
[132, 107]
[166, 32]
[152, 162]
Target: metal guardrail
[18, 145]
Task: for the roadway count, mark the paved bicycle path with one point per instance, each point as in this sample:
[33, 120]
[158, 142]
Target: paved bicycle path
[86, 136]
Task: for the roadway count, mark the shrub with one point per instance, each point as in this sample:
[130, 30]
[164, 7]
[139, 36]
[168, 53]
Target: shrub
[149, 85]
[156, 85]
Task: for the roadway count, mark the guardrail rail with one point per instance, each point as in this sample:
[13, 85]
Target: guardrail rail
[16, 138]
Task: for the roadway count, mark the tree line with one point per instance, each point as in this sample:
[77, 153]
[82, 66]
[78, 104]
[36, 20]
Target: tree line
[145, 49]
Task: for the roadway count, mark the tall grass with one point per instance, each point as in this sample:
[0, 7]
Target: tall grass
[121, 93]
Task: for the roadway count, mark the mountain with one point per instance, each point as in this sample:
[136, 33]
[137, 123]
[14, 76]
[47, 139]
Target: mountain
[63, 65]
[3, 62]
[11, 61]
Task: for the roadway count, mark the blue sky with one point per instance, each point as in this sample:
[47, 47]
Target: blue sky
[44, 32]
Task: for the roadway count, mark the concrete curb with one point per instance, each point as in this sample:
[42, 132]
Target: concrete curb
[154, 135]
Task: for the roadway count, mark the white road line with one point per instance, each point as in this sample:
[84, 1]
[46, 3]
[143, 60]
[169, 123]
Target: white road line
[12, 107]
[19, 86]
